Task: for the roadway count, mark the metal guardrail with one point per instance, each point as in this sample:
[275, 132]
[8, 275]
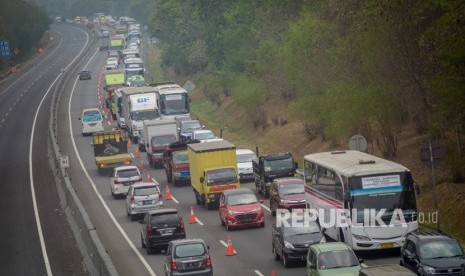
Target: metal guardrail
[94, 254]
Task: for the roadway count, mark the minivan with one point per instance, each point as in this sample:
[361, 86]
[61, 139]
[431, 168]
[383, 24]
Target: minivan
[91, 121]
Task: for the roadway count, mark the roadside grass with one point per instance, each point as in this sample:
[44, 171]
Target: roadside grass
[154, 70]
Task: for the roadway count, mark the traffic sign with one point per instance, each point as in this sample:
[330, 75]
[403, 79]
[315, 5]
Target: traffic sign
[16, 51]
[5, 50]
[358, 142]
[64, 161]
[189, 86]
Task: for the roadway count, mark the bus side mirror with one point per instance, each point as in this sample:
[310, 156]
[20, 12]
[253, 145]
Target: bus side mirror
[202, 179]
[79, 118]
[417, 189]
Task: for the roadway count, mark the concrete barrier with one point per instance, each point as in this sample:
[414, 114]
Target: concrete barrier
[94, 254]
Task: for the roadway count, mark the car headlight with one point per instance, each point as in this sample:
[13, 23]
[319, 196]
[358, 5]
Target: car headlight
[211, 196]
[177, 174]
[288, 245]
[429, 270]
[361, 237]
[268, 184]
[232, 212]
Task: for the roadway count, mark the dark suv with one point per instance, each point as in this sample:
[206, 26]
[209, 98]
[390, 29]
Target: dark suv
[188, 257]
[432, 253]
[159, 227]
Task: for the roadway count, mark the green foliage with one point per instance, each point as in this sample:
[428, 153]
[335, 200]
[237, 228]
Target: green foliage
[248, 93]
[23, 24]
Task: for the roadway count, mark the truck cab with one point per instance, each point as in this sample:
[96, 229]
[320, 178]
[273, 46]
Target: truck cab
[176, 162]
[268, 167]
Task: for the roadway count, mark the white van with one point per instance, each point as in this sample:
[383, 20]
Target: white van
[91, 121]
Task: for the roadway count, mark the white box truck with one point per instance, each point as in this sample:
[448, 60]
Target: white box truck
[158, 134]
[139, 104]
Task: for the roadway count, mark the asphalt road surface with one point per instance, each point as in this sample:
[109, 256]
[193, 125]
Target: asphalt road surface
[33, 228]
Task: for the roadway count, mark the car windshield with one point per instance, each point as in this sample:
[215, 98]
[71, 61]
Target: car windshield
[204, 136]
[180, 157]
[311, 228]
[291, 189]
[440, 249]
[242, 199]
[91, 116]
[337, 259]
[127, 173]
[191, 126]
[163, 140]
[278, 165]
[246, 157]
[145, 191]
[189, 250]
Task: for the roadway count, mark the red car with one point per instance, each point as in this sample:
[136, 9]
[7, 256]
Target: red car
[240, 208]
[287, 193]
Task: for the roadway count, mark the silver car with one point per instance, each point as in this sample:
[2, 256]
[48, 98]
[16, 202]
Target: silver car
[122, 178]
[143, 197]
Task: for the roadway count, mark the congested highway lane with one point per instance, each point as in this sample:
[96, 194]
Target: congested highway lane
[121, 237]
[33, 228]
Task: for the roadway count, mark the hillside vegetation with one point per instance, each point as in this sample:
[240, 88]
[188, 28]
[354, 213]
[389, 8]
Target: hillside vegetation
[304, 76]
[22, 24]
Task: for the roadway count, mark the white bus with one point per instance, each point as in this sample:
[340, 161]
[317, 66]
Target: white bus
[174, 101]
[358, 182]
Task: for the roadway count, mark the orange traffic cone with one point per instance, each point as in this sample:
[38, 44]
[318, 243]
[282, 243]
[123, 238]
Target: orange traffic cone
[273, 273]
[141, 165]
[192, 218]
[137, 154]
[129, 143]
[230, 249]
[149, 178]
[167, 193]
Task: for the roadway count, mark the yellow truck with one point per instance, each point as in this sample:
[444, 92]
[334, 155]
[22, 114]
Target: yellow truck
[110, 150]
[213, 169]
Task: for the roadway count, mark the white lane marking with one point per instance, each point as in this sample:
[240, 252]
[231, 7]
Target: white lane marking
[25, 74]
[266, 208]
[226, 245]
[198, 221]
[174, 199]
[110, 214]
[31, 171]
[132, 155]
[258, 273]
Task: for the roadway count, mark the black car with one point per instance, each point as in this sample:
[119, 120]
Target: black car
[432, 253]
[290, 243]
[85, 75]
[188, 257]
[187, 127]
[159, 227]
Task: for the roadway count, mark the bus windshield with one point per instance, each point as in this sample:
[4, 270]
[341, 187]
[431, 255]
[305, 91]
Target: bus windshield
[388, 191]
[174, 104]
[145, 115]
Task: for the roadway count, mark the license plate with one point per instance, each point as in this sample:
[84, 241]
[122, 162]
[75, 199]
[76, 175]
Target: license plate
[167, 232]
[92, 125]
[387, 245]
[147, 202]
[128, 183]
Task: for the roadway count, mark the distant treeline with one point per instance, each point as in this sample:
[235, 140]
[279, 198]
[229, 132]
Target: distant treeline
[342, 67]
[22, 23]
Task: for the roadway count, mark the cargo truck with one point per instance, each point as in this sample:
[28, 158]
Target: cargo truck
[176, 162]
[110, 150]
[139, 104]
[113, 80]
[270, 166]
[157, 135]
[213, 169]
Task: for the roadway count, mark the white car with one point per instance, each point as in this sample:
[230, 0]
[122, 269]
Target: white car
[244, 164]
[122, 178]
[112, 64]
[203, 135]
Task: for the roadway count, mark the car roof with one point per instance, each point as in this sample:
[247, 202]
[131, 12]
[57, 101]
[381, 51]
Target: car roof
[288, 180]
[330, 246]
[126, 168]
[143, 184]
[244, 151]
[187, 241]
[238, 191]
[163, 211]
[426, 236]
[184, 122]
[202, 131]
[90, 109]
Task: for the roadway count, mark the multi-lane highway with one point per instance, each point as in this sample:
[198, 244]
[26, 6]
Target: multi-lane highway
[33, 229]
[24, 255]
